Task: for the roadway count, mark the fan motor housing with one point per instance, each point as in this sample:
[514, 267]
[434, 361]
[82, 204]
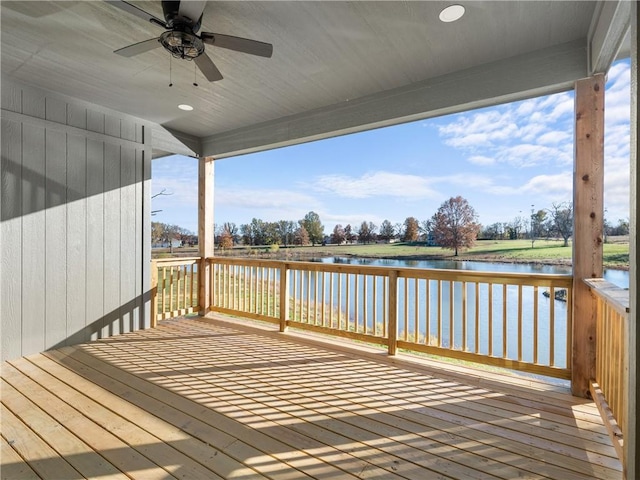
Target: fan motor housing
[171, 10]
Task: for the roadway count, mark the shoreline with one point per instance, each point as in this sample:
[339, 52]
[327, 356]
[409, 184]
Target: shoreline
[464, 258]
[295, 254]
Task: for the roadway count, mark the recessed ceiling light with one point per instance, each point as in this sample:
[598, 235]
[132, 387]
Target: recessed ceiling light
[452, 13]
[185, 107]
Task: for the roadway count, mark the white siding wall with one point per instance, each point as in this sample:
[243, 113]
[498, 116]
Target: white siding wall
[74, 231]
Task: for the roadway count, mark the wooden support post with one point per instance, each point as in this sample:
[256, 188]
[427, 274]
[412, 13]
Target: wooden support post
[205, 230]
[393, 312]
[631, 460]
[588, 211]
[284, 297]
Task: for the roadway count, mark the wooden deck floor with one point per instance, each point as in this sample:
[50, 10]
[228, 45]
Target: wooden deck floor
[211, 399]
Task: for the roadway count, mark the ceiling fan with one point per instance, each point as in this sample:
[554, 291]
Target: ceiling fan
[182, 21]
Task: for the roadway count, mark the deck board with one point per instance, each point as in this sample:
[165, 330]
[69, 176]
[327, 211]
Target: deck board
[214, 398]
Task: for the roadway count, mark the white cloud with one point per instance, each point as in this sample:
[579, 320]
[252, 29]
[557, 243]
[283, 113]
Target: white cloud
[261, 199]
[375, 184]
[548, 188]
[526, 134]
[481, 160]
[554, 137]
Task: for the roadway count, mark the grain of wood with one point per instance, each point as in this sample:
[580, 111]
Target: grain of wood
[12, 465]
[79, 455]
[40, 456]
[287, 406]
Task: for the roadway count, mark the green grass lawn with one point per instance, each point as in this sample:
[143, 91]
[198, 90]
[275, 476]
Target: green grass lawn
[616, 255]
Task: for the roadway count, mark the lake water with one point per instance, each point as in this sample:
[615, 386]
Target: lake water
[617, 277]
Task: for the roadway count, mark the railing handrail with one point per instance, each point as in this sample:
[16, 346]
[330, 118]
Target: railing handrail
[511, 278]
[407, 307]
[612, 294]
[176, 261]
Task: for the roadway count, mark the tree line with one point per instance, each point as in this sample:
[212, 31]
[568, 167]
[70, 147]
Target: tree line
[454, 226]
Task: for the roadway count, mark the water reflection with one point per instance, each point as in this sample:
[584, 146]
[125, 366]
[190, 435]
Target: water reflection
[617, 277]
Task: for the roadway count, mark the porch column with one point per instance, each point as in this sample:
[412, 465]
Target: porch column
[205, 229]
[631, 440]
[588, 211]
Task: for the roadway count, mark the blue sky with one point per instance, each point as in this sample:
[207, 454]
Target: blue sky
[501, 159]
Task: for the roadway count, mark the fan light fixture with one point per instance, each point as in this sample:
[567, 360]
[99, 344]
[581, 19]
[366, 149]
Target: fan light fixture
[182, 44]
[452, 13]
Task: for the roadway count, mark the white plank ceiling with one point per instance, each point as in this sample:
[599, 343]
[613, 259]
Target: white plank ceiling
[337, 67]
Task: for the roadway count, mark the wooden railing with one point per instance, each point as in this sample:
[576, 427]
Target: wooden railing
[174, 287]
[501, 319]
[609, 389]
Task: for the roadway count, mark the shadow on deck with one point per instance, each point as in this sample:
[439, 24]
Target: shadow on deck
[212, 398]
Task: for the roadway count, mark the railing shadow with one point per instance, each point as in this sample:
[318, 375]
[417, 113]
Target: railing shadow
[294, 400]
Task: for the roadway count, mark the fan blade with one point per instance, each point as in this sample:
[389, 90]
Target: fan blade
[138, 48]
[238, 44]
[208, 68]
[191, 9]
[127, 7]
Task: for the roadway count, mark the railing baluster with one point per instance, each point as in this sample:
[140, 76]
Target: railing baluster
[374, 306]
[452, 343]
[393, 312]
[476, 340]
[163, 282]
[569, 327]
[300, 297]
[463, 347]
[504, 321]
[171, 289]
[440, 319]
[416, 311]
[310, 298]
[405, 321]
[191, 285]
[552, 326]
[427, 297]
[490, 318]
[535, 324]
[356, 302]
[347, 302]
[519, 323]
[362, 301]
[313, 301]
[323, 317]
[385, 310]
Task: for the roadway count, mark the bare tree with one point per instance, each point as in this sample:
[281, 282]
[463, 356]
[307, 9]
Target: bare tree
[386, 231]
[349, 235]
[455, 225]
[364, 234]
[338, 236]
[561, 221]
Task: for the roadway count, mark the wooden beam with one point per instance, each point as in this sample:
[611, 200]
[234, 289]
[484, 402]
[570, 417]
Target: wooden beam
[541, 72]
[205, 229]
[588, 214]
[631, 460]
[607, 34]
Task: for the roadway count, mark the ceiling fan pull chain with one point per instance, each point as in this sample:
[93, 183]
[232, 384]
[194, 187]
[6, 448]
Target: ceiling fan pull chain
[170, 80]
[195, 73]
